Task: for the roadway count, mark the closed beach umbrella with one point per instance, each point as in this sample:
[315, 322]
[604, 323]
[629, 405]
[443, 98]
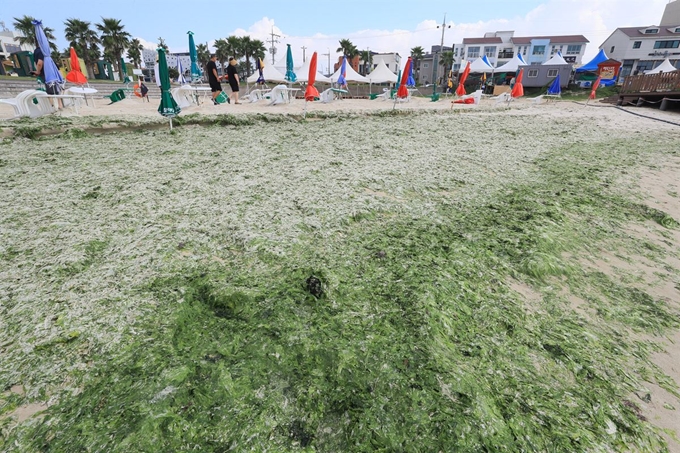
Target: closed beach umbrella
[555, 88]
[460, 91]
[52, 74]
[402, 92]
[290, 73]
[181, 79]
[410, 81]
[75, 75]
[123, 69]
[596, 85]
[518, 89]
[195, 72]
[311, 92]
[343, 72]
[168, 106]
[259, 64]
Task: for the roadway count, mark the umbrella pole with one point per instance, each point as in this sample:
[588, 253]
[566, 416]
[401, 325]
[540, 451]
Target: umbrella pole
[170, 123]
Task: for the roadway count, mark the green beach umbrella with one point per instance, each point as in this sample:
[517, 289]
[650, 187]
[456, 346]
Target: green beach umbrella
[168, 107]
[123, 69]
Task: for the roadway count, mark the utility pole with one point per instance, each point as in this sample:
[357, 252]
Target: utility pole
[273, 41]
[441, 50]
[329, 60]
[303, 54]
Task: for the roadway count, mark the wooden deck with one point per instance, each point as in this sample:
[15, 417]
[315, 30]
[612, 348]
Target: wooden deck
[663, 89]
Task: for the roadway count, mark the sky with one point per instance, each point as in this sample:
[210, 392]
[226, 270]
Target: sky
[380, 26]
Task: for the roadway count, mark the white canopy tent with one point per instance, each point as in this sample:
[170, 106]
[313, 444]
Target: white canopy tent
[556, 59]
[511, 66]
[481, 65]
[302, 74]
[270, 73]
[382, 74]
[666, 66]
[351, 75]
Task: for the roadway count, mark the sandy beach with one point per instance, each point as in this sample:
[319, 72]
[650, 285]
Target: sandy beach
[524, 126]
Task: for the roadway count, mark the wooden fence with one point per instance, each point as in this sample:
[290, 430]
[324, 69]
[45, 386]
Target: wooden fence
[661, 83]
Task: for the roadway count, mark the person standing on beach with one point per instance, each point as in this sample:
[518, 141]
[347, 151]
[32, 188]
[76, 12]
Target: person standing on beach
[232, 74]
[213, 78]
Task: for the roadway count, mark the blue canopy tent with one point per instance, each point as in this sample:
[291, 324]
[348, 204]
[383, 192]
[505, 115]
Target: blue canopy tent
[591, 66]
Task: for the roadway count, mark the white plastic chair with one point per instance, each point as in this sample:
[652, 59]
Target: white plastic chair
[279, 95]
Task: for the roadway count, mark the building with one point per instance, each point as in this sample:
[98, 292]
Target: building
[429, 70]
[9, 45]
[643, 48]
[501, 46]
[392, 61]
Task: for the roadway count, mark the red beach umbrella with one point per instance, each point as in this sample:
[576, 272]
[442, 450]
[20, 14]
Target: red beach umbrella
[460, 91]
[311, 92]
[402, 92]
[75, 75]
[518, 89]
[596, 85]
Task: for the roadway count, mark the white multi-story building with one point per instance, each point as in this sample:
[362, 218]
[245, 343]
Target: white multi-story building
[501, 46]
[392, 61]
[643, 48]
[9, 45]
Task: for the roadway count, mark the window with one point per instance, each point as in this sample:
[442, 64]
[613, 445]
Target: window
[473, 52]
[612, 49]
[426, 65]
[643, 66]
[539, 50]
[651, 31]
[637, 44]
[552, 73]
[574, 49]
[532, 73]
[490, 51]
[525, 50]
[667, 44]
[553, 50]
[677, 30]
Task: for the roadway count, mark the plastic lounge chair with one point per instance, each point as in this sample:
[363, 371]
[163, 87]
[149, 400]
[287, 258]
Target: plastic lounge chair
[331, 94]
[279, 95]
[184, 96]
[256, 95]
[32, 103]
[472, 99]
[116, 96]
[502, 98]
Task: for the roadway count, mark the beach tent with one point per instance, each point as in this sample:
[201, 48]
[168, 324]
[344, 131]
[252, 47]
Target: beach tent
[512, 65]
[521, 58]
[381, 74]
[350, 76]
[666, 66]
[556, 60]
[303, 74]
[481, 65]
[270, 73]
[591, 66]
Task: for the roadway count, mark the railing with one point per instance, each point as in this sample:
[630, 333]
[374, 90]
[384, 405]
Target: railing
[652, 83]
[506, 54]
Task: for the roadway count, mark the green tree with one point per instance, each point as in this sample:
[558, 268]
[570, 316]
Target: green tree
[446, 60]
[163, 45]
[134, 52]
[367, 58]
[202, 54]
[417, 54]
[84, 40]
[235, 47]
[115, 40]
[222, 53]
[24, 26]
[252, 48]
[348, 49]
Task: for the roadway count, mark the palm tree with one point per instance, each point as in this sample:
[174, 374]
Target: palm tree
[222, 53]
[348, 49]
[367, 58]
[27, 29]
[246, 42]
[83, 39]
[163, 45]
[446, 59]
[134, 52]
[235, 46]
[202, 54]
[115, 39]
[257, 49]
[417, 54]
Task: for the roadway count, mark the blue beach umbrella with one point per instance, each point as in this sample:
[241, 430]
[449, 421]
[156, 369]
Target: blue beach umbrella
[259, 64]
[52, 74]
[290, 74]
[195, 72]
[168, 107]
[343, 72]
[410, 82]
[555, 88]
